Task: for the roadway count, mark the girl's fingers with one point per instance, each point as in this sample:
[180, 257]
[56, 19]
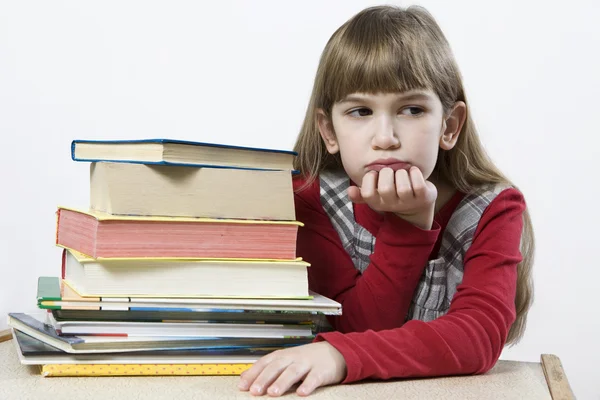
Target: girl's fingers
[248, 376]
[417, 182]
[313, 380]
[430, 192]
[386, 187]
[354, 195]
[403, 187]
[268, 375]
[293, 373]
[369, 185]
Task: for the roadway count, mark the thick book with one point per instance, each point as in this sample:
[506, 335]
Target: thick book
[138, 189]
[113, 344]
[179, 152]
[180, 277]
[101, 235]
[55, 294]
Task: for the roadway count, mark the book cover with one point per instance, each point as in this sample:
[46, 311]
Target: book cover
[266, 317]
[55, 362]
[189, 329]
[54, 293]
[101, 235]
[34, 352]
[180, 152]
[114, 344]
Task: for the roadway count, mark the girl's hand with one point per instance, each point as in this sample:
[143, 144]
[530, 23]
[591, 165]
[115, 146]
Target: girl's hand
[405, 193]
[317, 364]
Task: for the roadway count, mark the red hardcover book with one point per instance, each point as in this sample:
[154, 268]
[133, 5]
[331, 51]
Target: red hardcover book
[101, 235]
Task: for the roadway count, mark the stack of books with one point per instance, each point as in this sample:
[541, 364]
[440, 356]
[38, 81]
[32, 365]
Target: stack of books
[184, 263]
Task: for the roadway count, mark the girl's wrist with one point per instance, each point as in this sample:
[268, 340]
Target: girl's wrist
[422, 220]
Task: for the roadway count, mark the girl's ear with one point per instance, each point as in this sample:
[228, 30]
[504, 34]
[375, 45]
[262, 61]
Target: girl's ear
[327, 132]
[453, 125]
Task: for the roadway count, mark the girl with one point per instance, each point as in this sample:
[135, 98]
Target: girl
[408, 224]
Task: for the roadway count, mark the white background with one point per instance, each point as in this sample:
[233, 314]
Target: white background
[240, 72]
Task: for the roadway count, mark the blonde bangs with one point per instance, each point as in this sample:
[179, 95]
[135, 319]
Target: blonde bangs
[388, 57]
[372, 69]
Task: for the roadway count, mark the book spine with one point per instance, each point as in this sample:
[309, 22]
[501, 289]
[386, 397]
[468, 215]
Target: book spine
[56, 233]
[73, 143]
[50, 370]
[63, 264]
[48, 289]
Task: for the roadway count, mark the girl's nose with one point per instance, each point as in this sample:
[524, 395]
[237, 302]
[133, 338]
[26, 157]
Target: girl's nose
[385, 135]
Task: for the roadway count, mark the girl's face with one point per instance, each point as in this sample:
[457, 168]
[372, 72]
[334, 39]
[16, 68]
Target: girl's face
[394, 130]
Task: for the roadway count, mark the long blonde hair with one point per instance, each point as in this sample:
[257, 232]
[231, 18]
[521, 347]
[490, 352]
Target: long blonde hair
[391, 49]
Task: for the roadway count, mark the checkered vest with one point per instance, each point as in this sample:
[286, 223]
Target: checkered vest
[441, 275]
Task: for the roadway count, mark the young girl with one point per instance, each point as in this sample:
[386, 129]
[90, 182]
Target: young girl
[408, 224]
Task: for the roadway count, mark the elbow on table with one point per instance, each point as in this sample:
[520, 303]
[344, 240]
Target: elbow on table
[487, 356]
[480, 352]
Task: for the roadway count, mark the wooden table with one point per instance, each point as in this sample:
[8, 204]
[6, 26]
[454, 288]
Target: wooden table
[507, 380]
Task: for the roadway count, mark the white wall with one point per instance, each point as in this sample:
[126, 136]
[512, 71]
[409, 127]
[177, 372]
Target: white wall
[240, 72]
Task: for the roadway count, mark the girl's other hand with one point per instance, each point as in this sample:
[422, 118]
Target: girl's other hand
[316, 364]
[405, 193]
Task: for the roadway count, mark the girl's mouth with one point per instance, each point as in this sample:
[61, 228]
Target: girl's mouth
[392, 163]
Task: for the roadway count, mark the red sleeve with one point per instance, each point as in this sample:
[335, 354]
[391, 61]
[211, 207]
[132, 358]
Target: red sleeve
[470, 337]
[379, 298]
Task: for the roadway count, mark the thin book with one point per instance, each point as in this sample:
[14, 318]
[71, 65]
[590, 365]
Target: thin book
[180, 152]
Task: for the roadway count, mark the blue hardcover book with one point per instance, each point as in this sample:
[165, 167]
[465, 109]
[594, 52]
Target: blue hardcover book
[179, 152]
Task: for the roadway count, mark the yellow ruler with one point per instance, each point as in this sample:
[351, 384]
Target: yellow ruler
[142, 369]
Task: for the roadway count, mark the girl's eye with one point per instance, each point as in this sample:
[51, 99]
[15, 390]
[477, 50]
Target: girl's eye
[360, 112]
[412, 111]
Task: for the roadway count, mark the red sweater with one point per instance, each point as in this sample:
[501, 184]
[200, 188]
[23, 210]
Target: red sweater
[372, 334]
